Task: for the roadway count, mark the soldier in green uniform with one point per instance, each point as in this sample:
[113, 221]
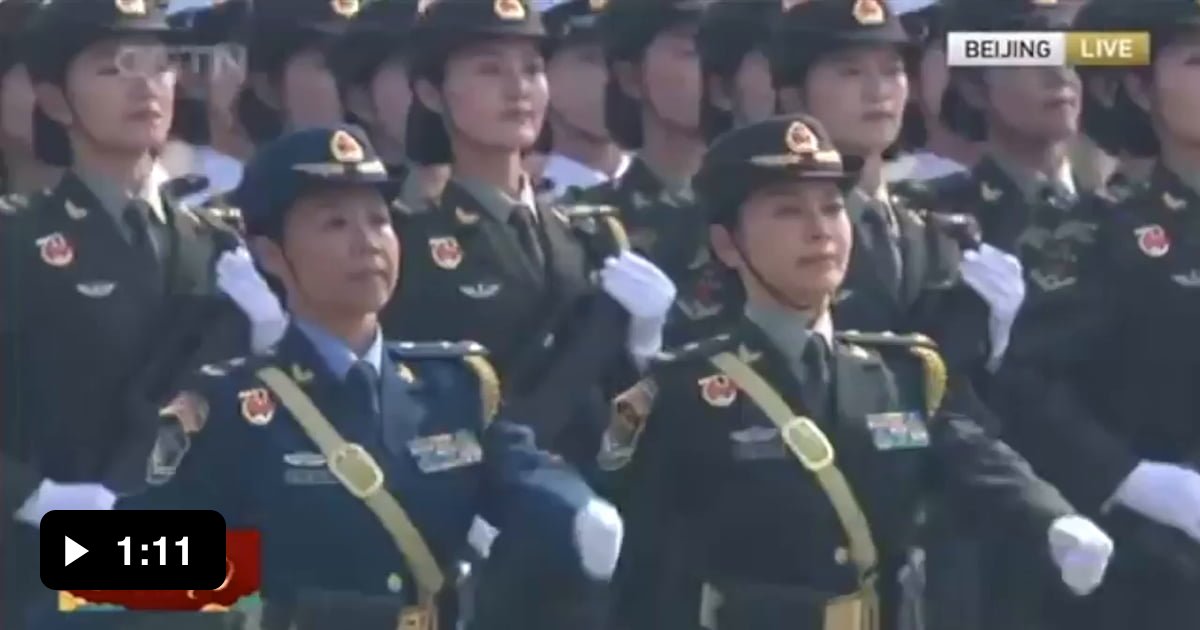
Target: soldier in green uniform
[370, 62]
[1026, 117]
[1103, 361]
[289, 84]
[652, 106]
[103, 271]
[488, 261]
[790, 460]
[548, 289]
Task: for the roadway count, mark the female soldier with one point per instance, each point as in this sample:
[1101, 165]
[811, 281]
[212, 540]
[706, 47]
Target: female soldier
[289, 85]
[370, 62]
[492, 264]
[582, 153]
[1101, 355]
[417, 417]
[931, 150]
[497, 267]
[842, 61]
[20, 171]
[652, 105]
[738, 455]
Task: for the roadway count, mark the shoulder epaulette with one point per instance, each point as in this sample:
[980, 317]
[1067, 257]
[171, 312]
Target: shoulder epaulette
[696, 349]
[470, 352]
[183, 186]
[435, 349]
[883, 339]
[580, 211]
[13, 203]
[920, 347]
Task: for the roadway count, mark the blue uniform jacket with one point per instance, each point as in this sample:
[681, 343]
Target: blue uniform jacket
[252, 462]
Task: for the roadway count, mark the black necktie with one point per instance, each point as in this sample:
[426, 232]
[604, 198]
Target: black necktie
[816, 383]
[363, 383]
[137, 222]
[522, 221]
[878, 223]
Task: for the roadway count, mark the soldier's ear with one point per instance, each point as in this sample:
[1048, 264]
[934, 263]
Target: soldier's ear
[266, 90]
[723, 245]
[359, 103]
[718, 92]
[791, 99]
[429, 95]
[53, 102]
[269, 255]
[1137, 86]
[628, 75]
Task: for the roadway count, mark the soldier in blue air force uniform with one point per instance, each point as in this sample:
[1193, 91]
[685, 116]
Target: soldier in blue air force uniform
[371, 457]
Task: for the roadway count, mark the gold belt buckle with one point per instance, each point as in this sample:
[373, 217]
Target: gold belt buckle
[415, 618]
[809, 443]
[357, 470]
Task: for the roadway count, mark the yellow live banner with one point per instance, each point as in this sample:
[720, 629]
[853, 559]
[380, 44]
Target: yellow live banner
[1101, 48]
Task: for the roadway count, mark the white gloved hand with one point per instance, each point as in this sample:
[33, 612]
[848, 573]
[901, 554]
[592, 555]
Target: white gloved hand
[239, 279]
[1081, 550]
[51, 496]
[646, 293]
[998, 278]
[1164, 493]
[599, 531]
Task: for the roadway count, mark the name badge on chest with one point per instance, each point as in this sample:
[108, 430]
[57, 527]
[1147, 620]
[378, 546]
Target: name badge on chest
[447, 451]
[898, 430]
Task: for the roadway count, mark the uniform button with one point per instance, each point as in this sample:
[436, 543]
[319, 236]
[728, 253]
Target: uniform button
[395, 583]
[548, 341]
[841, 555]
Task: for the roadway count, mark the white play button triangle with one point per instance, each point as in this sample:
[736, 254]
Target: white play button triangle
[74, 551]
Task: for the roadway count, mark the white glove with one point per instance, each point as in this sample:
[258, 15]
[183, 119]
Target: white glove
[599, 531]
[239, 279]
[64, 496]
[646, 293]
[997, 277]
[1082, 551]
[1165, 493]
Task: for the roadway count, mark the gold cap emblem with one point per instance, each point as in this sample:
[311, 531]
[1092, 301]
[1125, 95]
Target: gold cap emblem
[597, 5]
[509, 9]
[345, 8]
[131, 7]
[345, 148]
[800, 139]
[869, 12]
[424, 5]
